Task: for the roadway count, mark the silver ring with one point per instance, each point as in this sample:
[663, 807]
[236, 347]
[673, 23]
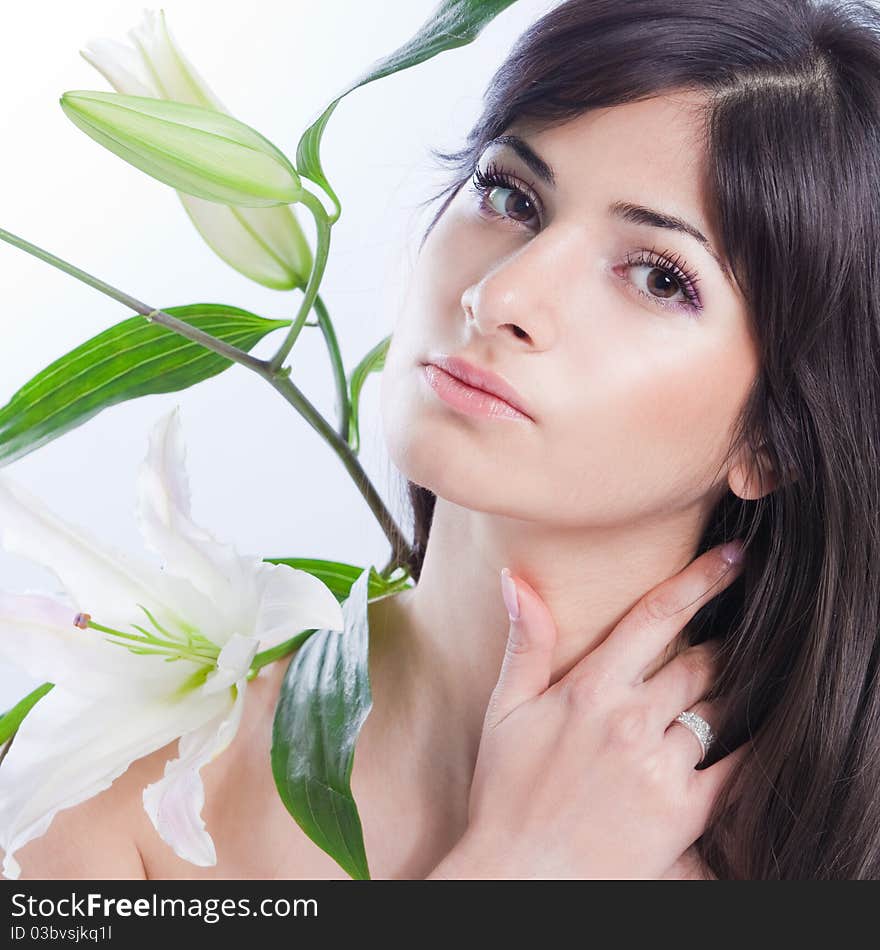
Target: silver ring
[700, 728]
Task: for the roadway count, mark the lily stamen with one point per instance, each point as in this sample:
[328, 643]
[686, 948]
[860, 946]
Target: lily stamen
[194, 647]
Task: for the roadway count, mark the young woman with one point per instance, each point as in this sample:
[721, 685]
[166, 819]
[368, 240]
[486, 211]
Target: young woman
[658, 248]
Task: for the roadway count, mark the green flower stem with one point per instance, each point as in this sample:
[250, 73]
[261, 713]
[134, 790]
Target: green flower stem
[338, 369]
[265, 657]
[322, 226]
[391, 566]
[294, 396]
[154, 316]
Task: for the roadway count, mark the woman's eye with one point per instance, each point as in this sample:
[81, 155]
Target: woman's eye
[659, 282]
[511, 202]
[501, 196]
[666, 283]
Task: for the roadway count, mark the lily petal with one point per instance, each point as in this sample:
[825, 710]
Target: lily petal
[122, 66]
[233, 663]
[70, 748]
[163, 513]
[294, 600]
[227, 579]
[38, 636]
[96, 576]
[175, 802]
[173, 75]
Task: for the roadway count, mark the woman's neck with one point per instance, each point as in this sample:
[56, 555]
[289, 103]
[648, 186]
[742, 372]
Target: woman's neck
[444, 639]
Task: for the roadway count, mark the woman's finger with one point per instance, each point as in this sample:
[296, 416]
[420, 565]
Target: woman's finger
[707, 784]
[531, 638]
[683, 681]
[658, 617]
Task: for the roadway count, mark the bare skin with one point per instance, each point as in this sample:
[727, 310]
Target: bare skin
[595, 499]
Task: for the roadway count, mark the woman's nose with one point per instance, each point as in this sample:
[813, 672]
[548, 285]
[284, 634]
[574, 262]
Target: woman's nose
[515, 298]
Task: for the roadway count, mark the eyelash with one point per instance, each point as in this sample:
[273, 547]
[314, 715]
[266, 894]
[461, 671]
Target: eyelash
[674, 265]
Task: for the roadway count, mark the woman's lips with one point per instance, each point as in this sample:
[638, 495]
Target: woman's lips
[468, 399]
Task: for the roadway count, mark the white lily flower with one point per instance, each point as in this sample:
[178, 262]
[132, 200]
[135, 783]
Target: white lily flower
[196, 622]
[265, 244]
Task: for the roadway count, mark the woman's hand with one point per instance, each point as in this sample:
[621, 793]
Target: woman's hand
[591, 777]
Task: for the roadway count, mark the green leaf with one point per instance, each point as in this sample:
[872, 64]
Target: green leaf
[13, 718]
[454, 23]
[373, 362]
[339, 576]
[195, 149]
[133, 358]
[325, 699]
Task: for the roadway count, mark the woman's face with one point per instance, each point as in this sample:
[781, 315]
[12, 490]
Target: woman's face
[632, 388]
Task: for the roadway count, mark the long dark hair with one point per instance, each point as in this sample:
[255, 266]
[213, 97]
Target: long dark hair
[793, 141]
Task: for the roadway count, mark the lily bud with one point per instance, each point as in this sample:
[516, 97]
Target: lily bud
[265, 244]
[194, 149]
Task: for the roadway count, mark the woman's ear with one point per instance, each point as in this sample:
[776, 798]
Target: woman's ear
[754, 477]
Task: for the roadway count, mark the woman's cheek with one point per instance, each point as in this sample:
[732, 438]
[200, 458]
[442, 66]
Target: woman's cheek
[630, 443]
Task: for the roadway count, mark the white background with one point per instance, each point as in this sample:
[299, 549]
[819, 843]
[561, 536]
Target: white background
[260, 476]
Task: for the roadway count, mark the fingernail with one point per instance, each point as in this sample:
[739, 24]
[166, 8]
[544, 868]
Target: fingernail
[508, 592]
[732, 552]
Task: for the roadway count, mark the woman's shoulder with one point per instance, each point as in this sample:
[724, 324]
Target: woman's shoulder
[91, 840]
[110, 834]
[254, 835]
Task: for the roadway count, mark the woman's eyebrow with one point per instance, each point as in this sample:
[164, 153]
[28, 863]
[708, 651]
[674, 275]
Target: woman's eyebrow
[625, 210]
[528, 155]
[638, 214]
